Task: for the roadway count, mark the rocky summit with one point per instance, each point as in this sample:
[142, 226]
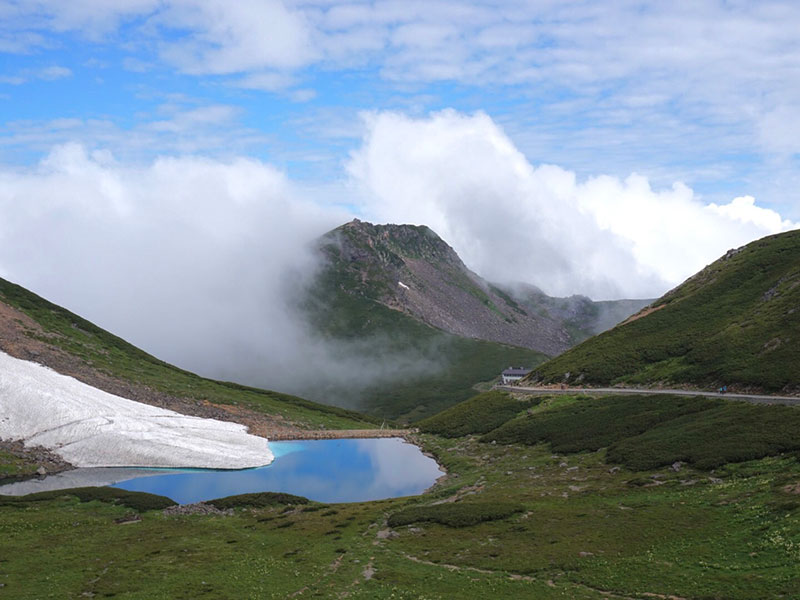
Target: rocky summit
[410, 269]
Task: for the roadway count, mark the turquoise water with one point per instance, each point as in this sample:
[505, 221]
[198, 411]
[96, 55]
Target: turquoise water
[321, 470]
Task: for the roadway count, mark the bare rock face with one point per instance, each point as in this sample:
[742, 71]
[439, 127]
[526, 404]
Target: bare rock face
[410, 269]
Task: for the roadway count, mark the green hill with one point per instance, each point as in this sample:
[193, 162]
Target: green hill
[401, 293]
[438, 359]
[33, 328]
[735, 323]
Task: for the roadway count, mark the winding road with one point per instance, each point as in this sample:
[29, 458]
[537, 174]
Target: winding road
[753, 398]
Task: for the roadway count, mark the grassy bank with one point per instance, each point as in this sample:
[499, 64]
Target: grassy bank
[735, 323]
[512, 519]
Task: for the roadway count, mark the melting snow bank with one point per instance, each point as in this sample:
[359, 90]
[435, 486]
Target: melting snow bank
[92, 428]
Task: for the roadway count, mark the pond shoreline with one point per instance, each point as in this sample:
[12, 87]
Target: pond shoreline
[338, 434]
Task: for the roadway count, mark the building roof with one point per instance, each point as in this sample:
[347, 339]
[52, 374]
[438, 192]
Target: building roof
[521, 371]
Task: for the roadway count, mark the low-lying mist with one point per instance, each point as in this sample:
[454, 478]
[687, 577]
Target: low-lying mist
[201, 261]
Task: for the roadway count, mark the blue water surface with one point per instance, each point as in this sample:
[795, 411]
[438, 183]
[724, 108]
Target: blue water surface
[322, 470]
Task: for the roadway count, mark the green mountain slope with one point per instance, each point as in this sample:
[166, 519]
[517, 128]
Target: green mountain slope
[735, 323]
[401, 292]
[33, 328]
[411, 270]
[436, 360]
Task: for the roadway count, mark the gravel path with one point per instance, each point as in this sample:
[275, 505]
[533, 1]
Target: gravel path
[753, 398]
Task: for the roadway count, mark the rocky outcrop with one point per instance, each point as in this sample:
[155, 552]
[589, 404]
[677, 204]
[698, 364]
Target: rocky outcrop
[410, 269]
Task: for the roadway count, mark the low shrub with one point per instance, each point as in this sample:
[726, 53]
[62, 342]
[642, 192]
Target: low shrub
[138, 501]
[461, 514]
[480, 414]
[596, 423]
[735, 432]
[257, 500]
[649, 432]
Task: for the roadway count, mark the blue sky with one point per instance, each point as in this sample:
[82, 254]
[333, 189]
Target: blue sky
[701, 92]
[164, 164]
[671, 109]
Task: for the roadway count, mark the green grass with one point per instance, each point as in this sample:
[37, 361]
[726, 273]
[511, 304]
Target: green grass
[442, 359]
[714, 437]
[12, 467]
[116, 357]
[648, 432]
[567, 527]
[735, 323]
[594, 423]
[464, 514]
[479, 414]
[257, 500]
[138, 501]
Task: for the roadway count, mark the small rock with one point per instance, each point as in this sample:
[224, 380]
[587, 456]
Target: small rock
[385, 534]
[509, 472]
[130, 518]
[562, 464]
[585, 554]
[614, 470]
[41, 471]
[676, 466]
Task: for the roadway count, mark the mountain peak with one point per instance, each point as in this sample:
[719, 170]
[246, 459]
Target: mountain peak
[409, 268]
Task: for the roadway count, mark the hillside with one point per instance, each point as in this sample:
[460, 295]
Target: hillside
[401, 292]
[734, 323]
[546, 498]
[412, 270]
[33, 329]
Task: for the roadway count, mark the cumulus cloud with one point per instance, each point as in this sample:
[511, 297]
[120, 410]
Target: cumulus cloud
[512, 221]
[199, 261]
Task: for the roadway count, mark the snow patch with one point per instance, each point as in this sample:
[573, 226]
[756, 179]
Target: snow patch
[92, 428]
[402, 285]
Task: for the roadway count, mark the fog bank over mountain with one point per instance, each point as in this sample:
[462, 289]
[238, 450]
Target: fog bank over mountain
[199, 260]
[509, 220]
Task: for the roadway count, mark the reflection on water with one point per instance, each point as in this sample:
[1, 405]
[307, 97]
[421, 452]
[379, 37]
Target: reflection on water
[322, 470]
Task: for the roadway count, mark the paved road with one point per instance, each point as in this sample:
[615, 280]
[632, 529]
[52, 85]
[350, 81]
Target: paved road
[755, 399]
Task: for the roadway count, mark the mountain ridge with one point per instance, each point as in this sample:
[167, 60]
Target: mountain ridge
[735, 323]
[409, 268]
[36, 330]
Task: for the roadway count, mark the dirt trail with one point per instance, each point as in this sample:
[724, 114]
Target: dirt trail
[752, 398]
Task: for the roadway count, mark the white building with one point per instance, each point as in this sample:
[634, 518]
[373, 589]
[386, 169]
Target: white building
[513, 374]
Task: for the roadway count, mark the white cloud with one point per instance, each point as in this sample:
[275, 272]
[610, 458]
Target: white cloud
[50, 73]
[745, 211]
[179, 255]
[236, 37]
[197, 260]
[53, 72]
[511, 221]
[181, 125]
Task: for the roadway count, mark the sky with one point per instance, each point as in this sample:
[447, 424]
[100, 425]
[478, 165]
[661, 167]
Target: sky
[163, 163]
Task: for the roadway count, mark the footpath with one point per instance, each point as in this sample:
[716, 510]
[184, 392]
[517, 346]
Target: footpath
[753, 398]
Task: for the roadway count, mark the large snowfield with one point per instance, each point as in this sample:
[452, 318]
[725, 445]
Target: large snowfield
[92, 428]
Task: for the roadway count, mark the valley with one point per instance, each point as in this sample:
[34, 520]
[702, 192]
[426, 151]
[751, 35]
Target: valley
[559, 487]
[514, 518]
